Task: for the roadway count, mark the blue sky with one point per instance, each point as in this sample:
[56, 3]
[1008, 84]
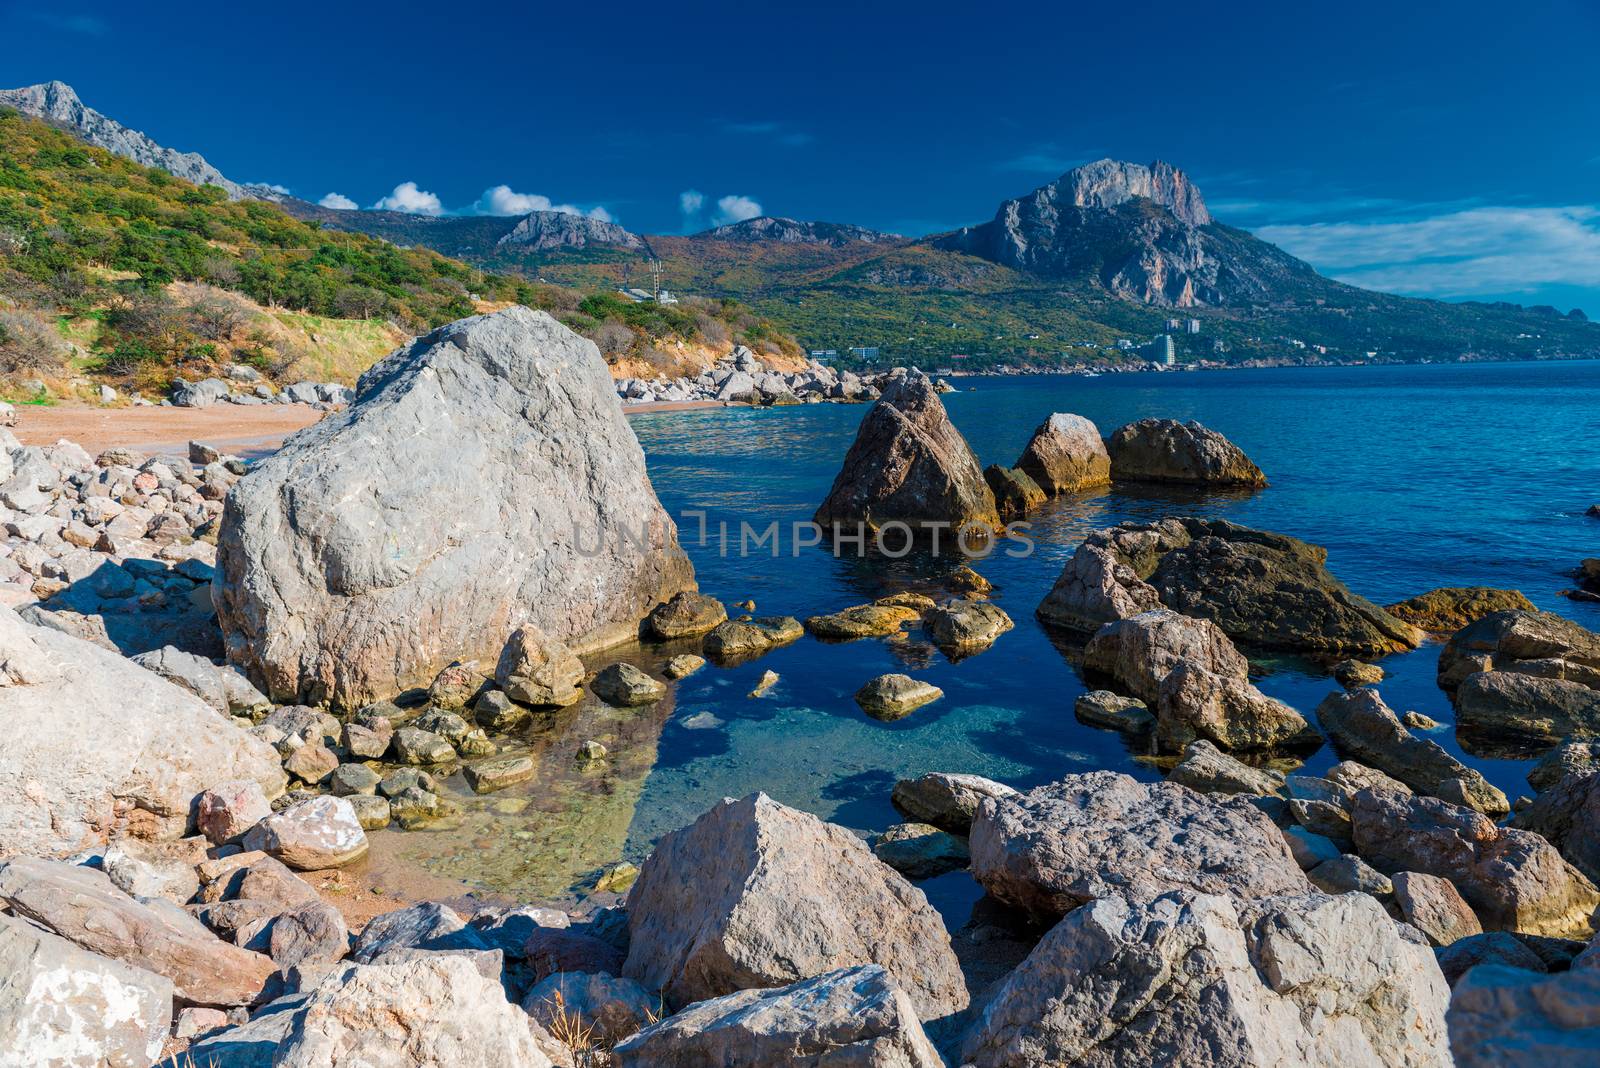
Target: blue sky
[1442, 149]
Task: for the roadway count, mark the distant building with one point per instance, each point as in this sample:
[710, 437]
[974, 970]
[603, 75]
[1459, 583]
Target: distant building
[824, 354]
[1166, 353]
[1192, 326]
[868, 353]
[1174, 324]
[1124, 344]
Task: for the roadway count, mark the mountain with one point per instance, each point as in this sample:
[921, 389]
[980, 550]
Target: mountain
[57, 103]
[794, 232]
[1141, 233]
[542, 230]
[483, 238]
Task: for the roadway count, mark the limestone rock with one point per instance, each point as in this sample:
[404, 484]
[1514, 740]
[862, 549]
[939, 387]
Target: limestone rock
[510, 490]
[1207, 769]
[909, 464]
[228, 809]
[1568, 816]
[311, 835]
[413, 745]
[62, 1005]
[962, 627]
[1102, 708]
[734, 642]
[1103, 834]
[313, 933]
[1350, 874]
[682, 666]
[625, 686]
[1536, 644]
[455, 687]
[1015, 492]
[1502, 1017]
[135, 765]
[1488, 948]
[499, 773]
[1066, 455]
[849, 1018]
[1352, 674]
[946, 800]
[1573, 758]
[431, 1011]
[1363, 728]
[1196, 979]
[1435, 907]
[1104, 579]
[1513, 879]
[875, 620]
[920, 850]
[494, 711]
[428, 926]
[1165, 450]
[1527, 708]
[81, 905]
[756, 894]
[686, 615]
[538, 670]
[891, 697]
[144, 869]
[1448, 609]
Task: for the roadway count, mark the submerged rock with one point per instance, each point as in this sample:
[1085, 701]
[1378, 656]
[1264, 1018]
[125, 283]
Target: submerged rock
[1165, 450]
[946, 800]
[100, 745]
[1363, 728]
[1102, 834]
[1066, 455]
[877, 620]
[756, 894]
[1448, 609]
[344, 579]
[686, 615]
[1015, 493]
[1196, 979]
[850, 1018]
[1102, 708]
[890, 697]
[732, 642]
[625, 686]
[965, 626]
[909, 464]
[920, 850]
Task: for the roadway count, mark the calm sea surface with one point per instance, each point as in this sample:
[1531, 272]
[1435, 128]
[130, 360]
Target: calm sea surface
[1412, 477]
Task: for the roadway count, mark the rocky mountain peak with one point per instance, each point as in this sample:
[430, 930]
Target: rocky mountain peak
[558, 229]
[57, 102]
[795, 232]
[1108, 183]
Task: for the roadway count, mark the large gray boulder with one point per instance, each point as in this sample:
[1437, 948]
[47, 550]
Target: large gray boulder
[755, 894]
[100, 745]
[850, 1018]
[427, 1011]
[909, 464]
[61, 1005]
[1514, 879]
[1102, 834]
[1363, 728]
[1503, 1017]
[1568, 816]
[1065, 455]
[1196, 979]
[81, 905]
[483, 478]
[1165, 450]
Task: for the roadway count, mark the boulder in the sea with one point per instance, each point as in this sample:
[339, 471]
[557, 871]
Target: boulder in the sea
[62, 1005]
[946, 800]
[1514, 880]
[736, 641]
[687, 615]
[756, 894]
[1449, 608]
[964, 626]
[876, 620]
[1065, 455]
[1526, 709]
[484, 477]
[1363, 728]
[682, 666]
[855, 1017]
[1103, 580]
[102, 746]
[536, 669]
[920, 850]
[625, 686]
[1165, 450]
[1353, 674]
[1102, 708]
[909, 464]
[1198, 979]
[1015, 492]
[81, 905]
[1207, 769]
[1103, 834]
[891, 697]
[1537, 644]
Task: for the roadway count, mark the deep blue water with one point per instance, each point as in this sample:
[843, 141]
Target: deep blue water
[1413, 477]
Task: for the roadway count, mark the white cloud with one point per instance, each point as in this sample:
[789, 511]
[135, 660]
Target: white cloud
[732, 209]
[503, 200]
[338, 202]
[408, 198]
[690, 201]
[1475, 252]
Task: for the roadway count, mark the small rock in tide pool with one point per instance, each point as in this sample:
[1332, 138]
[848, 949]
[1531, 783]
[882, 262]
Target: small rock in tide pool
[890, 697]
[1353, 674]
[491, 775]
[965, 580]
[1102, 708]
[591, 751]
[616, 878]
[921, 851]
[767, 681]
[683, 665]
[1418, 722]
[625, 686]
[702, 721]
[748, 606]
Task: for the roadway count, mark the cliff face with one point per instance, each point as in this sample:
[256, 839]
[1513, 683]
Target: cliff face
[1143, 233]
[57, 102]
[553, 229]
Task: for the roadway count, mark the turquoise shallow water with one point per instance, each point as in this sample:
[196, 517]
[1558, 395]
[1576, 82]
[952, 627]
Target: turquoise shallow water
[1412, 477]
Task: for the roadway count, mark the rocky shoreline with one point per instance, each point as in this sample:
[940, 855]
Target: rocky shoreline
[320, 639]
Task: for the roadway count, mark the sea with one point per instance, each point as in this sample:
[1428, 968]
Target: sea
[1411, 476]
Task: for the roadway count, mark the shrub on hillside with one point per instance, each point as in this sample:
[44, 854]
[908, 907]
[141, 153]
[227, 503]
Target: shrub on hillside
[29, 344]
